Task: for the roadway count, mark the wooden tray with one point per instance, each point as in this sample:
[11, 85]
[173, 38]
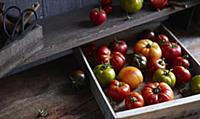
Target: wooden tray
[180, 107]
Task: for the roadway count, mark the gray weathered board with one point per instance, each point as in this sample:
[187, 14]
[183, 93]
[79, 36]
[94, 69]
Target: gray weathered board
[22, 48]
[69, 30]
[180, 107]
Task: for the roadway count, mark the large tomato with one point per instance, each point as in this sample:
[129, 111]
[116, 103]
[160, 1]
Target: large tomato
[118, 90]
[104, 73]
[154, 93]
[137, 60]
[170, 51]
[134, 100]
[131, 75]
[155, 63]
[118, 46]
[98, 16]
[103, 55]
[161, 39]
[147, 48]
[181, 61]
[117, 61]
[182, 74]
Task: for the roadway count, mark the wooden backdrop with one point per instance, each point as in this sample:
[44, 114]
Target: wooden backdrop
[51, 7]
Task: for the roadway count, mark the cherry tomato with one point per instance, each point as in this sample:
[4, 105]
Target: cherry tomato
[181, 61]
[182, 74]
[134, 100]
[98, 16]
[118, 46]
[131, 75]
[170, 51]
[147, 48]
[156, 63]
[154, 93]
[118, 90]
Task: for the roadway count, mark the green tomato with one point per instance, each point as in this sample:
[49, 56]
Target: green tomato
[164, 75]
[104, 74]
[131, 6]
[195, 84]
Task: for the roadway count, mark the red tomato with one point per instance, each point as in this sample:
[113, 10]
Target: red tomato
[118, 46]
[170, 51]
[181, 61]
[134, 100]
[156, 63]
[154, 93]
[97, 16]
[117, 61]
[103, 55]
[131, 75]
[161, 39]
[118, 90]
[108, 9]
[106, 2]
[159, 4]
[182, 74]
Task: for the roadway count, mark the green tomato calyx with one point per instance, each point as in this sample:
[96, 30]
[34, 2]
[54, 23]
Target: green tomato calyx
[134, 99]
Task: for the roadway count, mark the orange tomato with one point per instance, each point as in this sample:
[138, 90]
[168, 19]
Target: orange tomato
[148, 48]
[131, 75]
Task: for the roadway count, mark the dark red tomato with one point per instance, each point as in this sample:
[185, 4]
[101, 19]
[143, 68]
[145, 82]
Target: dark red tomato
[182, 74]
[161, 39]
[155, 63]
[170, 51]
[108, 9]
[98, 16]
[103, 55]
[147, 34]
[134, 100]
[159, 4]
[105, 2]
[118, 46]
[118, 90]
[154, 93]
[89, 49]
[117, 61]
[181, 61]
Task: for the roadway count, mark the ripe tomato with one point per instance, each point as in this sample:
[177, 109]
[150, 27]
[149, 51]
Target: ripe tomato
[164, 75]
[118, 46]
[131, 75]
[161, 39]
[97, 16]
[170, 51]
[117, 61]
[106, 2]
[134, 100]
[108, 9]
[156, 63]
[147, 34]
[159, 4]
[147, 48]
[154, 93]
[104, 73]
[181, 61]
[182, 74]
[103, 55]
[118, 90]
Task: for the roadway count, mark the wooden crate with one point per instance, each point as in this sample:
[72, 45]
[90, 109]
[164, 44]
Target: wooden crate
[23, 47]
[181, 107]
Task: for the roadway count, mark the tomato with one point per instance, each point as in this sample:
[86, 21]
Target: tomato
[108, 9]
[98, 16]
[106, 2]
[164, 75]
[147, 34]
[154, 93]
[159, 4]
[170, 51]
[195, 84]
[182, 74]
[147, 48]
[104, 74]
[131, 75]
[117, 61]
[134, 100]
[161, 39]
[103, 55]
[118, 46]
[118, 90]
[181, 61]
[131, 6]
[137, 60]
[156, 63]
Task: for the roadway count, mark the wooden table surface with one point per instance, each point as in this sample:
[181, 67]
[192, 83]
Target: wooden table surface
[47, 87]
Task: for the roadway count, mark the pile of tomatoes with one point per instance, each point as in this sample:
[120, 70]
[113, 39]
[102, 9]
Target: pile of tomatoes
[154, 57]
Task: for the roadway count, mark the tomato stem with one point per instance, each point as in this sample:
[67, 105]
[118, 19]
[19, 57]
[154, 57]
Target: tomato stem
[156, 90]
[148, 45]
[134, 99]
